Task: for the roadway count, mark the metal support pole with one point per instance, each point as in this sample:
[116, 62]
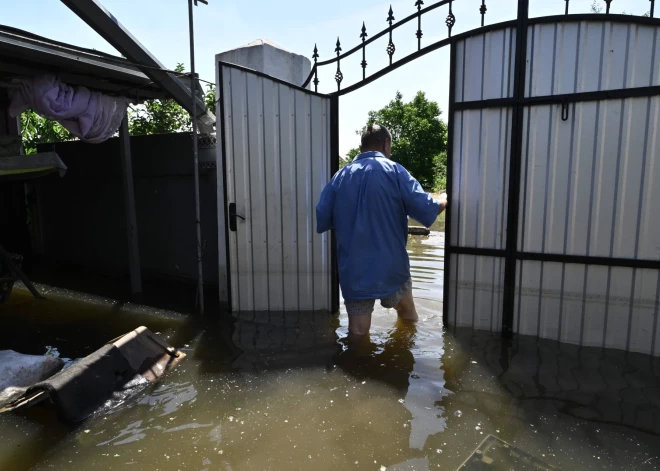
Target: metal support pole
[129, 207]
[450, 184]
[193, 117]
[514, 170]
[334, 167]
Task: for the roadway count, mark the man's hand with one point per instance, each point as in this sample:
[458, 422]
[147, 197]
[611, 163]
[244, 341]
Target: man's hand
[443, 202]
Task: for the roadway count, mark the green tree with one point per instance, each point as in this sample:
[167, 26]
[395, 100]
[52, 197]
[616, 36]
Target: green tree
[35, 129]
[419, 138]
[158, 116]
[209, 97]
[343, 162]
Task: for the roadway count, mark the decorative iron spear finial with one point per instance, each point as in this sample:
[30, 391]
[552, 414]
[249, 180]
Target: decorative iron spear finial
[363, 36]
[607, 8]
[338, 76]
[419, 4]
[390, 45]
[566, 13]
[315, 56]
[482, 10]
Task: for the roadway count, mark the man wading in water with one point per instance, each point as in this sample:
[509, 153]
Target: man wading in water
[367, 204]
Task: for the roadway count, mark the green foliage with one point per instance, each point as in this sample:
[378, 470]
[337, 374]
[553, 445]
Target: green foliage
[35, 129]
[419, 138]
[158, 116]
[165, 116]
[210, 98]
[343, 162]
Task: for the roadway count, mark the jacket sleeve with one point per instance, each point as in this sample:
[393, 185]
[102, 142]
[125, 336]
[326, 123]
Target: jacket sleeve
[419, 205]
[325, 209]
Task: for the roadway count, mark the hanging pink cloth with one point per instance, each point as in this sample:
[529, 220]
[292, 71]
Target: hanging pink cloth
[91, 116]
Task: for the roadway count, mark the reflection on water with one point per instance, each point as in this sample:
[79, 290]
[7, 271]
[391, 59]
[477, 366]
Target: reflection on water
[267, 391]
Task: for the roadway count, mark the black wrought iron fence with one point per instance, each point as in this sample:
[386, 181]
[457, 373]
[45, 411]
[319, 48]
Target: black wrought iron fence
[390, 50]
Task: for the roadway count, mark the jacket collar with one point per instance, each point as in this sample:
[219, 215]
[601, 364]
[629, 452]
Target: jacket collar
[369, 155]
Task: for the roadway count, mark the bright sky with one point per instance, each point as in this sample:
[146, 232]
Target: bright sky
[296, 25]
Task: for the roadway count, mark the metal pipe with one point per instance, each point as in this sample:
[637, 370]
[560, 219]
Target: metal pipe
[450, 185]
[193, 117]
[514, 171]
[129, 207]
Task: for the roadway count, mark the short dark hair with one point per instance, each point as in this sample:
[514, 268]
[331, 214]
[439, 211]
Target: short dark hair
[374, 136]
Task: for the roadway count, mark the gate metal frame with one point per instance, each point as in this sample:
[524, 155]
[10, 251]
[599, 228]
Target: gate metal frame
[517, 103]
[334, 167]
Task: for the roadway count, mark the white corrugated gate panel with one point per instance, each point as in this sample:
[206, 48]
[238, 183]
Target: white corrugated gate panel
[588, 182]
[225, 174]
[590, 56]
[590, 185]
[303, 196]
[480, 163]
[588, 305]
[484, 66]
[476, 292]
[649, 226]
[320, 122]
[272, 140]
[238, 162]
[289, 216]
[257, 185]
[277, 150]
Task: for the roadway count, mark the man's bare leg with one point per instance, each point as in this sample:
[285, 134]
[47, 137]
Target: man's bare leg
[359, 325]
[406, 308]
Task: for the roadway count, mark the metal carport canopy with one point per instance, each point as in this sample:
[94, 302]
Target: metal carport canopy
[105, 24]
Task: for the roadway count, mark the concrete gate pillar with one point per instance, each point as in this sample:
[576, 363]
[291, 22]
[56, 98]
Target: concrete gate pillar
[267, 57]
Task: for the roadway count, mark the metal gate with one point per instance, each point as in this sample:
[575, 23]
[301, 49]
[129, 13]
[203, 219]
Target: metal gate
[553, 171]
[554, 181]
[276, 160]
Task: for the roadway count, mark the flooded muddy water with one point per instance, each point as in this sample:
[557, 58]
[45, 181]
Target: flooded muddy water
[271, 392]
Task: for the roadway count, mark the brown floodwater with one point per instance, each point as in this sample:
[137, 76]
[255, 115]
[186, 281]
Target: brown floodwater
[285, 391]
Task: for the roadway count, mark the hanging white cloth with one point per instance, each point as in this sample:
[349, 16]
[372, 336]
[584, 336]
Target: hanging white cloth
[91, 116]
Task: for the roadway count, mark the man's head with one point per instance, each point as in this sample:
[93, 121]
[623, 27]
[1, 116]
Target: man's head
[377, 138]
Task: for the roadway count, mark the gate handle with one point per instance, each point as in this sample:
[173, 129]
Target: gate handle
[233, 216]
[564, 110]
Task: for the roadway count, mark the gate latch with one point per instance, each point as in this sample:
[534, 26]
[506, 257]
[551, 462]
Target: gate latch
[564, 110]
[233, 216]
